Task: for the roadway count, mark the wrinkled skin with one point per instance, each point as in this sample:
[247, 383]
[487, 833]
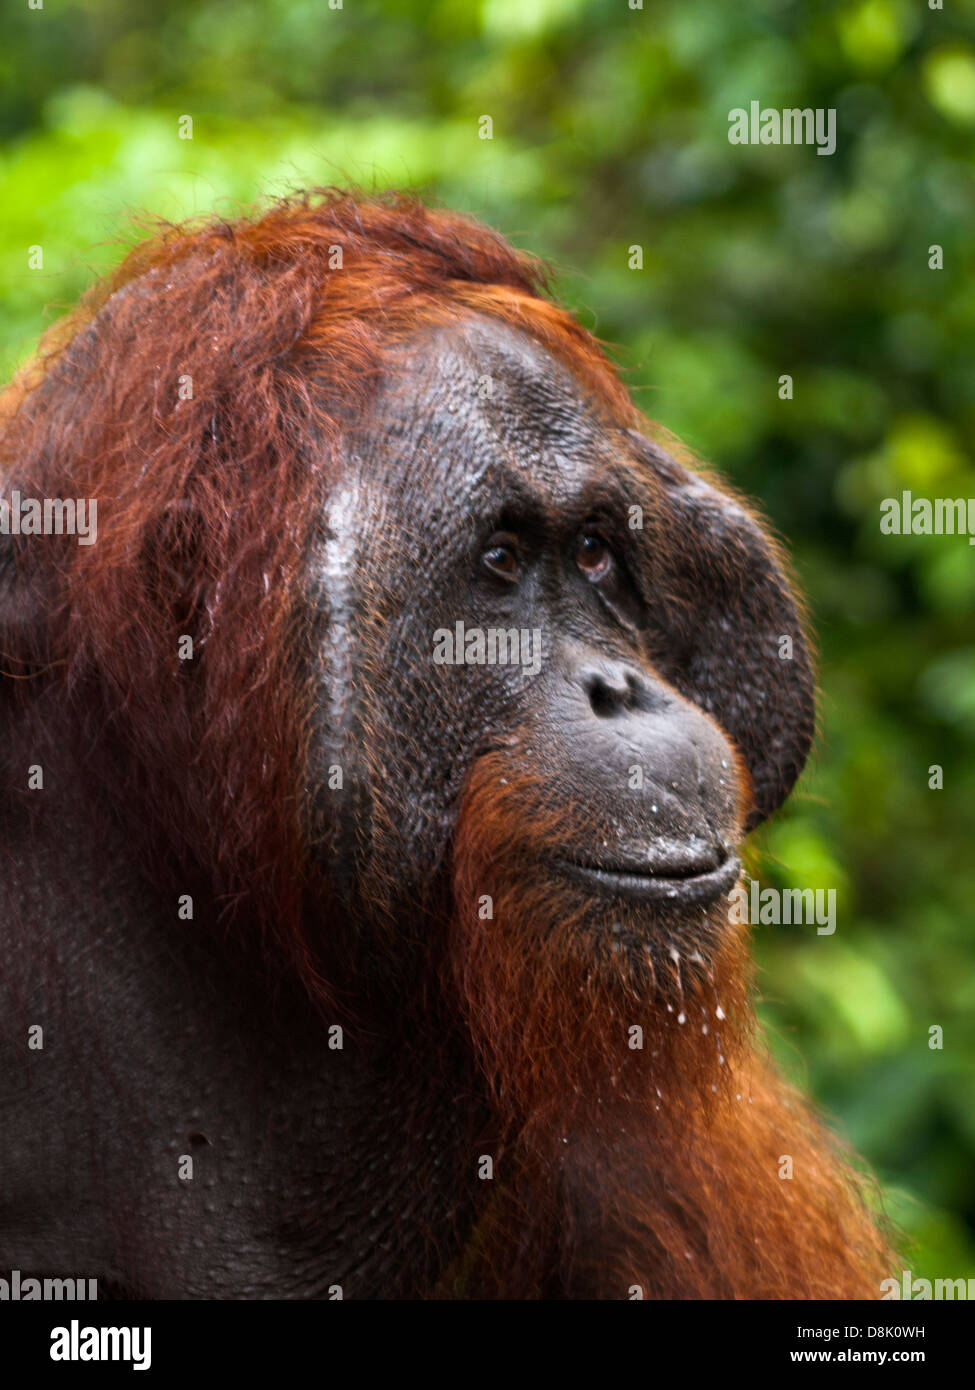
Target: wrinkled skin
[527, 464]
[158, 1042]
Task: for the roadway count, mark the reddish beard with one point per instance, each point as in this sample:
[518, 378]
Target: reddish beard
[644, 1137]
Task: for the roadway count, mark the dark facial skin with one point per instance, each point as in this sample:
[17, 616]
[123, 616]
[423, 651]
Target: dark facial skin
[525, 527]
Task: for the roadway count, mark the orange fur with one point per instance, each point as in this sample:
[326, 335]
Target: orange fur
[617, 1167]
[656, 1167]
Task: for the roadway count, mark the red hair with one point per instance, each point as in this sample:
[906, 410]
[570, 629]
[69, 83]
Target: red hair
[685, 1167]
[282, 325]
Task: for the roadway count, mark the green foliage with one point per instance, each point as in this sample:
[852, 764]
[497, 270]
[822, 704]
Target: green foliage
[610, 130]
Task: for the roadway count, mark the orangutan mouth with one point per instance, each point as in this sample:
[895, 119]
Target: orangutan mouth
[677, 879]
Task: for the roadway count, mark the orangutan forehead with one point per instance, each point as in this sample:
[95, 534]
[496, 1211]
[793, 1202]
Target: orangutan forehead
[476, 408]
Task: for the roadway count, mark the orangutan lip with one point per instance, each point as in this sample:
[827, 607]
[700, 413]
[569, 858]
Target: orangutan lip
[664, 883]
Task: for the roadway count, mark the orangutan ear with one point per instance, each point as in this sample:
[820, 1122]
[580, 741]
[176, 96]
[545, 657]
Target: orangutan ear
[733, 631]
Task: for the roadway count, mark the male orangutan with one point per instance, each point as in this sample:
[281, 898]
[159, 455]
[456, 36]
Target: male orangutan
[373, 777]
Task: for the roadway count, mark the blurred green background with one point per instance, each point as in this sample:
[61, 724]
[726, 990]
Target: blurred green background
[610, 130]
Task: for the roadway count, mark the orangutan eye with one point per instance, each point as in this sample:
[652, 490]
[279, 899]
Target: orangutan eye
[501, 558]
[593, 555]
